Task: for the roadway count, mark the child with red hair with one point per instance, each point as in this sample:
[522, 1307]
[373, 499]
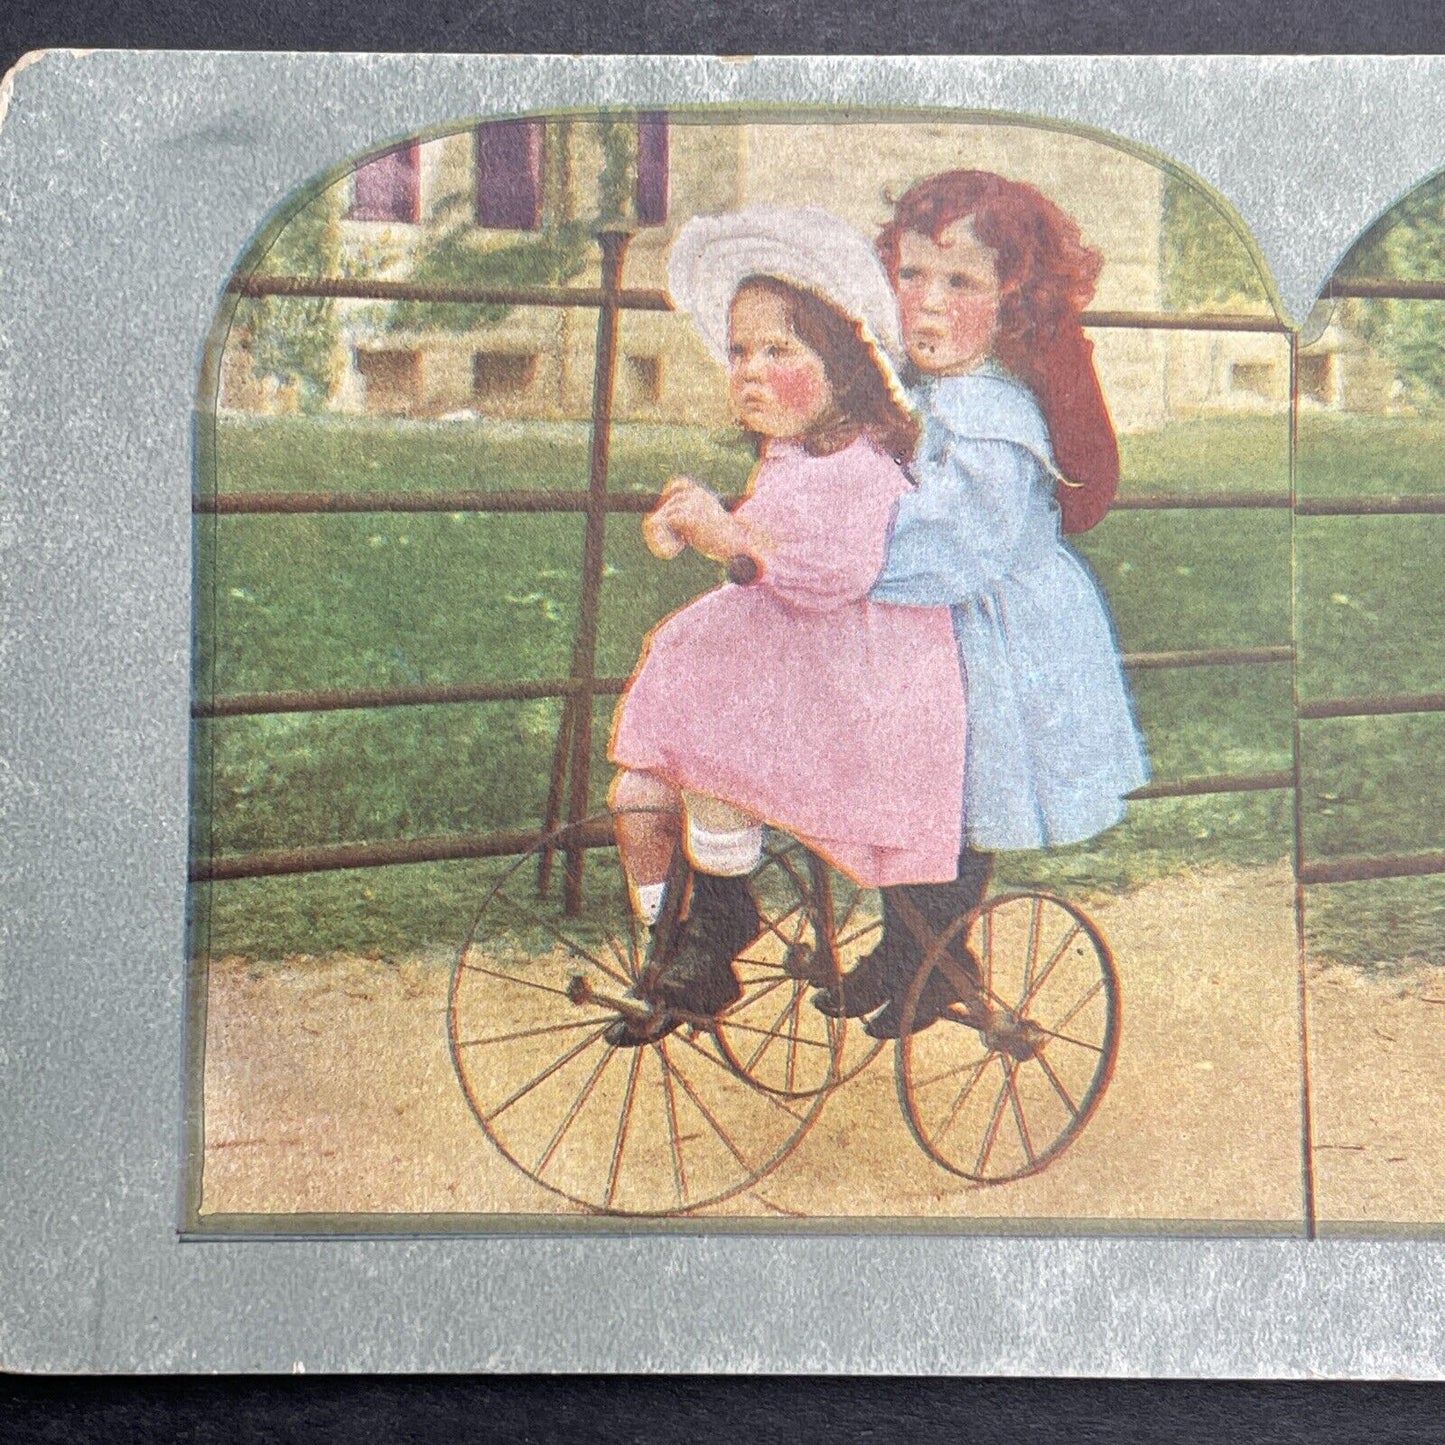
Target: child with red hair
[1017, 449]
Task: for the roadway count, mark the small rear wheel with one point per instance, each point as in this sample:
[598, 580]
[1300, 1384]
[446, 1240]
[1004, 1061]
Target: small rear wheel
[771, 1036]
[816, 924]
[1011, 1072]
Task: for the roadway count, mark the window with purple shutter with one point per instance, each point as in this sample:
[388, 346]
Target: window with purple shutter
[389, 187]
[651, 168]
[509, 175]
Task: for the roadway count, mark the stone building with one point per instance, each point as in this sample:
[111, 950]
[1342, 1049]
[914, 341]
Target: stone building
[504, 184]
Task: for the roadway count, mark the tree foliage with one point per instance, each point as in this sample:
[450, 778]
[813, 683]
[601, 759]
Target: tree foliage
[296, 339]
[455, 252]
[1408, 244]
[616, 179]
[1206, 263]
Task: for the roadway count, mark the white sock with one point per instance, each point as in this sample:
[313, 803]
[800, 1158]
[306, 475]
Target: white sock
[649, 901]
[731, 854]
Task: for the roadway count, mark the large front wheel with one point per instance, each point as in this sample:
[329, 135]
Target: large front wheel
[665, 1127]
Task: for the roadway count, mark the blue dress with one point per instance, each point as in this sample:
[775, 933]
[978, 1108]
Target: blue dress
[1052, 742]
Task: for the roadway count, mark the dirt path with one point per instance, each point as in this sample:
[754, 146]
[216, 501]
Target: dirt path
[329, 1089]
[1376, 1043]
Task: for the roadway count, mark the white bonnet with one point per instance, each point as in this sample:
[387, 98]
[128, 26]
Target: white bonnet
[805, 245]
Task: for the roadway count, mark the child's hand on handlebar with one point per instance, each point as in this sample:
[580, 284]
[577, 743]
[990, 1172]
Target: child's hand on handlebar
[662, 541]
[690, 515]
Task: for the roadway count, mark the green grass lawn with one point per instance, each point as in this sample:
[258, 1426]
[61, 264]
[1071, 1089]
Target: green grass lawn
[1372, 620]
[405, 599]
[371, 454]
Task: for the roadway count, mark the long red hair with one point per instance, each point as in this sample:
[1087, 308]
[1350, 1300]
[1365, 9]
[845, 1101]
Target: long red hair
[1047, 275]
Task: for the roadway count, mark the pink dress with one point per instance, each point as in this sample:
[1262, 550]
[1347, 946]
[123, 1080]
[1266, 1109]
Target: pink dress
[833, 717]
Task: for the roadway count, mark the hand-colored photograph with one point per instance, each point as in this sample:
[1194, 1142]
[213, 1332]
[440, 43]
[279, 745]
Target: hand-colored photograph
[828, 671]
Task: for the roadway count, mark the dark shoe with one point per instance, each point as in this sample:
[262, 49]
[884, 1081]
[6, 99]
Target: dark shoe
[878, 976]
[871, 984]
[634, 1033]
[723, 921]
[934, 907]
[936, 997]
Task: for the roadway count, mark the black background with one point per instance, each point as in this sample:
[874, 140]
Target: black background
[701, 1411]
[730, 27]
[437, 1410]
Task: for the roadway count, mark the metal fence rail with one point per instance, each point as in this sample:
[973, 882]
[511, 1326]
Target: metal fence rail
[347, 288]
[570, 785]
[278, 862]
[1382, 288]
[528, 690]
[233, 504]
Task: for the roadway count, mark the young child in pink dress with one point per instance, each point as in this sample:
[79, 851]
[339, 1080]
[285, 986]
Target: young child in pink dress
[796, 700]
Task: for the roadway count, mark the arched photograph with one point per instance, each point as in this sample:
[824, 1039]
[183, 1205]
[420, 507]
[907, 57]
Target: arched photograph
[805, 671]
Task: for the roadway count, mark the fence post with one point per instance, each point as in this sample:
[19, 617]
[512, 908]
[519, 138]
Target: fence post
[1297, 855]
[577, 719]
[555, 789]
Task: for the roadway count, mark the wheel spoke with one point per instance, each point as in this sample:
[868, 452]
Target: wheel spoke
[838, 919]
[984, 993]
[989, 996]
[545, 1074]
[1031, 957]
[679, 1174]
[959, 1102]
[717, 1063]
[1059, 1088]
[775, 925]
[634, 941]
[1070, 1039]
[569, 1118]
[748, 1000]
[789, 865]
[991, 1137]
[520, 982]
[773, 1207]
[1018, 1112]
[1048, 968]
[622, 1124]
[959, 977]
[754, 1029]
[947, 1074]
[795, 1014]
[819, 891]
[586, 1023]
[873, 926]
[796, 886]
[1079, 1007]
[772, 1036]
[768, 965]
[626, 977]
[573, 946]
[707, 1114]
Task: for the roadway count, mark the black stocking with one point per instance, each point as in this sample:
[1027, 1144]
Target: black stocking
[938, 904]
